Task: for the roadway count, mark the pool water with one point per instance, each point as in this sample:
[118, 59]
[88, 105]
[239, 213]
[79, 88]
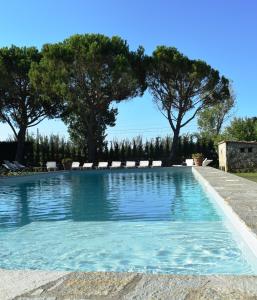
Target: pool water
[156, 221]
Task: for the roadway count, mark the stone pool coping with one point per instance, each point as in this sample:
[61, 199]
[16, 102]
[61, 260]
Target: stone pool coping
[239, 193]
[24, 285]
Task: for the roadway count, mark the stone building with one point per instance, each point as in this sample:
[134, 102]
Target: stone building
[237, 156]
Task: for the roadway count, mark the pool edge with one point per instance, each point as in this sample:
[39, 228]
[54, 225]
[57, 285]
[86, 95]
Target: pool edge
[246, 234]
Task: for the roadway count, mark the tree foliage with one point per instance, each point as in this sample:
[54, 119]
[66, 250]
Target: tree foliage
[21, 107]
[211, 119]
[182, 87]
[41, 148]
[241, 129]
[82, 77]
[91, 71]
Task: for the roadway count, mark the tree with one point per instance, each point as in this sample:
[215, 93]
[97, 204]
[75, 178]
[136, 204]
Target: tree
[21, 107]
[242, 129]
[211, 119]
[182, 87]
[91, 71]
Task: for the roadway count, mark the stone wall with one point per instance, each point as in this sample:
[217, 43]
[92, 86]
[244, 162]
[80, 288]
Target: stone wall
[238, 156]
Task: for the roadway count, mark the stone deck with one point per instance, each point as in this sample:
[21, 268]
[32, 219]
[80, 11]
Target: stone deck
[239, 193]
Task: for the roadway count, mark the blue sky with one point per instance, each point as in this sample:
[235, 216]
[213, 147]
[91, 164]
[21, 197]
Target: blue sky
[223, 33]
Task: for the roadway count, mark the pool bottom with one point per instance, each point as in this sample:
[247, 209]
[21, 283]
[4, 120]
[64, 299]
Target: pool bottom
[148, 247]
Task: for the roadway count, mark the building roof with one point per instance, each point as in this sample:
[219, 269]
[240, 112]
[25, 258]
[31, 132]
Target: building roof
[239, 142]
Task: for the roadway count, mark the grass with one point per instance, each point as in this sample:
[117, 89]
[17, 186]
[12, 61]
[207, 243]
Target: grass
[250, 176]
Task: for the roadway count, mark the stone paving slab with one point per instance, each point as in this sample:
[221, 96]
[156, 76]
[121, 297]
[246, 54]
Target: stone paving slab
[16, 282]
[102, 285]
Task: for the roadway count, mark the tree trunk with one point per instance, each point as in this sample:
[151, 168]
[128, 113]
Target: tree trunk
[20, 144]
[91, 148]
[174, 146]
[91, 139]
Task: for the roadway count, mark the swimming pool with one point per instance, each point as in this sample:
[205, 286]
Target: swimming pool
[151, 220]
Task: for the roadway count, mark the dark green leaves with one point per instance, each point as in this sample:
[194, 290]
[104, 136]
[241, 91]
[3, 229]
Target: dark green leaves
[242, 129]
[88, 72]
[179, 84]
[182, 87]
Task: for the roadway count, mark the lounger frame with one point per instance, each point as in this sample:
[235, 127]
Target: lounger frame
[75, 165]
[115, 165]
[130, 164]
[102, 165]
[87, 166]
[143, 164]
[156, 163]
[51, 165]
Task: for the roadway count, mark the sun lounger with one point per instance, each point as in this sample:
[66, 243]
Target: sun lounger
[156, 163]
[189, 162]
[10, 166]
[206, 162]
[143, 164]
[20, 166]
[75, 165]
[115, 164]
[51, 165]
[130, 164]
[102, 165]
[87, 166]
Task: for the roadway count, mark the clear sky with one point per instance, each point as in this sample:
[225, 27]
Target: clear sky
[221, 32]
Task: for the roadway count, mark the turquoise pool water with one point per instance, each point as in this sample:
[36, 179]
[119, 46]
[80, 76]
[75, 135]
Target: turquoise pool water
[156, 221]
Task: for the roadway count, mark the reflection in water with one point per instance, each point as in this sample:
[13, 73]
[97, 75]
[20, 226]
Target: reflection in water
[157, 195]
[45, 199]
[89, 198]
[24, 208]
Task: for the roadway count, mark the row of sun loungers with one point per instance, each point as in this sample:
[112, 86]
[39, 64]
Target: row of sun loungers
[51, 165]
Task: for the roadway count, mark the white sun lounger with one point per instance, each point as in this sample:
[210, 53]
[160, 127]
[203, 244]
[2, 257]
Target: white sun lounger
[206, 162]
[75, 165]
[102, 165]
[156, 163]
[115, 164]
[130, 164]
[189, 162]
[87, 166]
[51, 165]
[143, 164]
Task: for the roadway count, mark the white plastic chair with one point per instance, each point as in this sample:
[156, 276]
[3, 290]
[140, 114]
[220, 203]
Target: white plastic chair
[143, 164]
[130, 164]
[51, 165]
[156, 163]
[115, 164]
